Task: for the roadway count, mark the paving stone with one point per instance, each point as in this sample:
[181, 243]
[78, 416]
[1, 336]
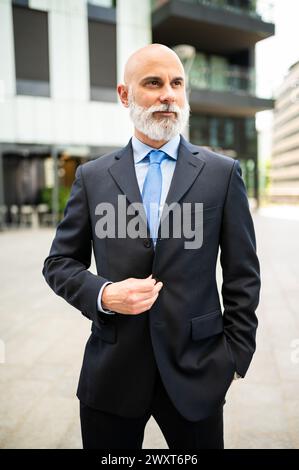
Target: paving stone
[263, 440]
[44, 340]
[45, 426]
[19, 396]
[72, 437]
[153, 437]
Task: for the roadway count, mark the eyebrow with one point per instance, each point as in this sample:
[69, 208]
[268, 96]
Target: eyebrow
[158, 79]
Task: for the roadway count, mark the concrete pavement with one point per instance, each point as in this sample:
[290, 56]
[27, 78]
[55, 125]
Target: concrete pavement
[42, 342]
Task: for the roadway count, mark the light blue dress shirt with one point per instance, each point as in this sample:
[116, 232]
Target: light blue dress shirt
[140, 151]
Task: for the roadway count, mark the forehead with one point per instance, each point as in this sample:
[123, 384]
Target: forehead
[168, 67]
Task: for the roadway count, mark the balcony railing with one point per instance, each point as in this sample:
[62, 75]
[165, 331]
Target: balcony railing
[259, 9]
[232, 78]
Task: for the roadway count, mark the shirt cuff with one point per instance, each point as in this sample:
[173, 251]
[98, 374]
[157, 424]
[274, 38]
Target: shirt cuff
[99, 301]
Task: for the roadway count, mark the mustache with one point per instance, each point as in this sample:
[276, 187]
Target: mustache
[166, 108]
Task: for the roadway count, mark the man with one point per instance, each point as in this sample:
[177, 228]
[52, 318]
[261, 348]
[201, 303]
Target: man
[160, 345]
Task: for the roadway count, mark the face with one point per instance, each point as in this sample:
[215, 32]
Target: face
[157, 82]
[156, 96]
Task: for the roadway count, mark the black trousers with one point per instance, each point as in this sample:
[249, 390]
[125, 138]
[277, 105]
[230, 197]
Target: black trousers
[101, 430]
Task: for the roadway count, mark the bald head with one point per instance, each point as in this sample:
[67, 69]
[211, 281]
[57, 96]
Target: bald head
[148, 57]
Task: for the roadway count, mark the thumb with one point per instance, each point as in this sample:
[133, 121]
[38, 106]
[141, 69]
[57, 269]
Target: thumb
[150, 278]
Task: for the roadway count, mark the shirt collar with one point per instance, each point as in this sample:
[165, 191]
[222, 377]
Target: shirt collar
[140, 150]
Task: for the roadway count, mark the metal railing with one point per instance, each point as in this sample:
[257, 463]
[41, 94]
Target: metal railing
[260, 9]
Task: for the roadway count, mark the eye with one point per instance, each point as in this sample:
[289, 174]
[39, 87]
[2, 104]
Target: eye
[153, 83]
[177, 83]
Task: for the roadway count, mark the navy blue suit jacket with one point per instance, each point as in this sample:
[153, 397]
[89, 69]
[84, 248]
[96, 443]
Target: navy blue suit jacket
[195, 345]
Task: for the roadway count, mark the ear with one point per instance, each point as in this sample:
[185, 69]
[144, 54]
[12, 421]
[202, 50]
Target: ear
[123, 93]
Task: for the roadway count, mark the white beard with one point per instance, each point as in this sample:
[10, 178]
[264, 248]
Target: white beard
[158, 129]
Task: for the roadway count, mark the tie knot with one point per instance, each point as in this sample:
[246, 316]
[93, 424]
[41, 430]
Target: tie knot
[157, 156]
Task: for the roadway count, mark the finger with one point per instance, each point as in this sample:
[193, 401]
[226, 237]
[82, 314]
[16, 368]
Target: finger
[147, 304]
[144, 285]
[157, 287]
[148, 293]
[150, 303]
[149, 296]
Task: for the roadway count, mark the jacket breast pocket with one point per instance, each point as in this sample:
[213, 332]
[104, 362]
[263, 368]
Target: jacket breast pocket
[107, 332]
[200, 217]
[207, 325]
[211, 212]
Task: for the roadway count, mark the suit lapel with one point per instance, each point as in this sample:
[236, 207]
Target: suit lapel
[188, 167]
[124, 174]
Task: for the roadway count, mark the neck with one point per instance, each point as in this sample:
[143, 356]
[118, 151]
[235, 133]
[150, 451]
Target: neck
[146, 140]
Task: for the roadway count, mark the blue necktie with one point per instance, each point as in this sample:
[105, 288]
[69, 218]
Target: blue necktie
[151, 193]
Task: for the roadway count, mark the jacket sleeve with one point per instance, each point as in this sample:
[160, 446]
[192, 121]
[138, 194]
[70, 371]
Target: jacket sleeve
[241, 272]
[66, 267]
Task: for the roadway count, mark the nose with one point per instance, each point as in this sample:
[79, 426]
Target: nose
[167, 95]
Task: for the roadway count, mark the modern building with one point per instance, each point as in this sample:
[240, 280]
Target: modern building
[60, 62]
[222, 78]
[285, 147]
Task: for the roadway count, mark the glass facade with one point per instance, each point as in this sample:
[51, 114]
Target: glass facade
[233, 136]
[218, 73]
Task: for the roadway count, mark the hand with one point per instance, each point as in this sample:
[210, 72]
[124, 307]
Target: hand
[131, 296]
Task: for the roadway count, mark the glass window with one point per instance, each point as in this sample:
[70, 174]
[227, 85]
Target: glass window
[229, 130]
[102, 3]
[235, 135]
[31, 51]
[218, 72]
[214, 126]
[199, 130]
[102, 60]
[250, 136]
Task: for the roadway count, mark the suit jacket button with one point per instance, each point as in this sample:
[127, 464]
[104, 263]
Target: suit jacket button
[147, 242]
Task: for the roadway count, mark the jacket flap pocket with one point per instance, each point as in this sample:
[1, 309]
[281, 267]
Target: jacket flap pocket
[207, 325]
[106, 332]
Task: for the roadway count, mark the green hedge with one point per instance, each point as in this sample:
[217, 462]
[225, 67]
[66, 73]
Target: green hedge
[63, 196]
